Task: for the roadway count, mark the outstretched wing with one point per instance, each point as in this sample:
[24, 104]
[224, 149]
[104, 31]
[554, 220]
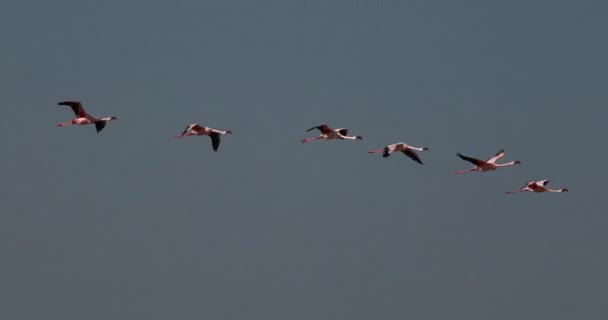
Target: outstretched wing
[412, 154]
[386, 152]
[474, 161]
[323, 128]
[542, 182]
[215, 140]
[76, 107]
[186, 129]
[497, 156]
[192, 127]
[99, 125]
[343, 131]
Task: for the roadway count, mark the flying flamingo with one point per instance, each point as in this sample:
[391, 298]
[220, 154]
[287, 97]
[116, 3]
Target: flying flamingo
[198, 130]
[537, 186]
[488, 165]
[408, 150]
[328, 133]
[82, 117]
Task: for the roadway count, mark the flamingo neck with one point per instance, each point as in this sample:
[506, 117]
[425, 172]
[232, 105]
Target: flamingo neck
[512, 163]
[417, 149]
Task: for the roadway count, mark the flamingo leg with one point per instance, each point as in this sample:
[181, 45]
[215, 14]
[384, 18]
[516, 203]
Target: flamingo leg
[465, 171]
[182, 135]
[376, 151]
[65, 124]
[513, 192]
[311, 139]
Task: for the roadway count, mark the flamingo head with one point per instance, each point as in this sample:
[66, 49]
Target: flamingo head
[359, 137]
[563, 190]
[425, 149]
[228, 131]
[516, 162]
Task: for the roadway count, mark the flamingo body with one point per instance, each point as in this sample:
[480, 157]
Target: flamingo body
[408, 150]
[328, 133]
[84, 118]
[198, 130]
[487, 165]
[537, 187]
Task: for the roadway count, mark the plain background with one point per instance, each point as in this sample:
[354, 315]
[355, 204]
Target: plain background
[131, 224]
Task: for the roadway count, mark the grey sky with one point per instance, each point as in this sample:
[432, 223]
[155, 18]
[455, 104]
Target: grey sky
[130, 224]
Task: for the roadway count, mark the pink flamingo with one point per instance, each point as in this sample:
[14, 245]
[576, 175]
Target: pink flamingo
[488, 165]
[408, 150]
[198, 130]
[328, 133]
[82, 117]
[537, 186]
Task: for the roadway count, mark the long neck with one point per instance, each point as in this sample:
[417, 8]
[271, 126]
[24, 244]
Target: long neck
[512, 163]
[107, 119]
[416, 148]
[350, 137]
[554, 190]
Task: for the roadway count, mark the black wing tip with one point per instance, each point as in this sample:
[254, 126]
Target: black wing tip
[67, 103]
[215, 140]
[99, 125]
[315, 127]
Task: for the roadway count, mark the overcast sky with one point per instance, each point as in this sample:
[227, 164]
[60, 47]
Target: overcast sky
[131, 224]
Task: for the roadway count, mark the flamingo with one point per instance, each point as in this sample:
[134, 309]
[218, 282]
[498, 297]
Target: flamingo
[488, 165]
[82, 117]
[408, 150]
[198, 130]
[537, 186]
[328, 133]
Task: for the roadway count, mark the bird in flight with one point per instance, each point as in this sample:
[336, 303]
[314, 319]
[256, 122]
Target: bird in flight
[328, 133]
[198, 130]
[408, 150]
[83, 118]
[537, 186]
[487, 165]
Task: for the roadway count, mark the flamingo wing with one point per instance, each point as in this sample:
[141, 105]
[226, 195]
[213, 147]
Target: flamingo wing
[474, 161]
[99, 125]
[386, 152]
[342, 131]
[323, 128]
[76, 107]
[497, 156]
[198, 128]
[215, 140]
[193, 127]
[412, 154]
[186, 129]
[542, 182]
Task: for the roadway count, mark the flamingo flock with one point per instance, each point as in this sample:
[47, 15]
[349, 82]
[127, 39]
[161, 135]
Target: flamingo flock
[326, 133]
